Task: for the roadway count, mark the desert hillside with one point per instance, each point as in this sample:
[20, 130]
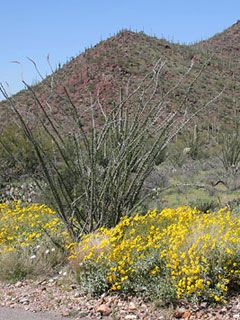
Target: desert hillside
[101, 72]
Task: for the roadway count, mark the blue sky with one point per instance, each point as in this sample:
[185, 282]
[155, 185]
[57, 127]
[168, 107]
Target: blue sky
[64, 28]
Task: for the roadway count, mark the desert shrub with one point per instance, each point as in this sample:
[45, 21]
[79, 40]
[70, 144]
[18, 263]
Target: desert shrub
[16, 161]
[204, 204]
[234, 204]
[32, 240]
[178, 158]
[189, 144]
[229, 155]
[17, 157]
[193, 141]
[173, 254]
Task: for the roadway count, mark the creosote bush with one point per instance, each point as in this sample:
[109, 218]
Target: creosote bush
[174, 254]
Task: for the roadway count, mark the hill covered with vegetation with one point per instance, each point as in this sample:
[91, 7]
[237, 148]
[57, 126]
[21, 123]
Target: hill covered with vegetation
[123, 60]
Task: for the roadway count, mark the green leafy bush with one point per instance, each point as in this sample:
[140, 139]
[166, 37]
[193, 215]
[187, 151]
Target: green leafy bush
[169, 255]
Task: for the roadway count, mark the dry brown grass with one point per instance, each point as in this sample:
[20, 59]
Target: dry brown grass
[20, 264]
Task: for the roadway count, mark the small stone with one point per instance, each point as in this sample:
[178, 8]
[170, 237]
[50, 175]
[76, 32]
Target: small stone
[122, 312]
[179, 313]
[186, 314]
[18, 284]
[203, 305]
[66, 313]
[223, 310]
[104, 310]
[77, 295]
[24, 301]
[131, 317]
[132, 306]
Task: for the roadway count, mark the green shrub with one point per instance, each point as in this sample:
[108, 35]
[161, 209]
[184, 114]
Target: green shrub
[204, 205]
[16, 154]
[169, 255]
[17, 157]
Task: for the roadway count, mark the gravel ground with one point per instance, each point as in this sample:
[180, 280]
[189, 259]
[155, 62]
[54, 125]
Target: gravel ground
[50, 295]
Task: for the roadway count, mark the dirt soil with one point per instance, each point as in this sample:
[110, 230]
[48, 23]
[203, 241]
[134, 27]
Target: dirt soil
[61, 300]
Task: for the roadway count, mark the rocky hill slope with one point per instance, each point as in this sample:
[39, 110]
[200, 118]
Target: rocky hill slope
[101, 72]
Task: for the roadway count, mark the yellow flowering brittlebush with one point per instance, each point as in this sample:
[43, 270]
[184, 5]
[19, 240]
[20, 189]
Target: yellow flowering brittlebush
[24, 225]
[197, 254]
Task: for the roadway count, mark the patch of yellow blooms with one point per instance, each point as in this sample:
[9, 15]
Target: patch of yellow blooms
[197, 253]
[23, 225]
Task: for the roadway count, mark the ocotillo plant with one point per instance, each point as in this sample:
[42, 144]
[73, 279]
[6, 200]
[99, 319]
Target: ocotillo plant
[100, 168]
